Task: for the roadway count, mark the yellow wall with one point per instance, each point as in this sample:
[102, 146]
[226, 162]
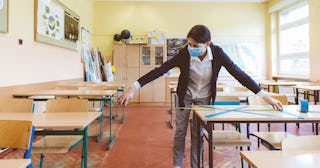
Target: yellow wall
[35, 62]
[226, 20]
[314, 23]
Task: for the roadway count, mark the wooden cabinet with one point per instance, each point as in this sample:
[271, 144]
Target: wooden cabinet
[133, 61]
[152, 56]
[153, 91]
[126, 60]
[126, 56]
[127, 76]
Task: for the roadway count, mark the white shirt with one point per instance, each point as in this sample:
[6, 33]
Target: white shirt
[199, 85]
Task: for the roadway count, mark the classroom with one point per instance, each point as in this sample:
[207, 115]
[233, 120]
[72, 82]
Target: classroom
[159, 83]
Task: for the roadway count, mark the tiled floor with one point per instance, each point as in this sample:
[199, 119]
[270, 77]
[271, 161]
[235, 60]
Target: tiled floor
[145, 140]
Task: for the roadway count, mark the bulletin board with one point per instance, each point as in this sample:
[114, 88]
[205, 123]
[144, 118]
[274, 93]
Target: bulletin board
[56, 24]
[4, 16]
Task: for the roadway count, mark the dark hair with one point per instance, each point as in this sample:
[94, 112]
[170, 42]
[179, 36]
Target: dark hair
[200, 34]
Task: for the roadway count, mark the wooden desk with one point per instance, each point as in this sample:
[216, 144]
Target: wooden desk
[15, 163]
[103, 94]
[305, 89]
[66, 93]
[282, 159]
[206, 116]
[71, 123]
[106, 85]
[268, 84]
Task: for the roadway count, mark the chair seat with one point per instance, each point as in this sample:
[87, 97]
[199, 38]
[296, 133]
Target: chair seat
[272, 138]
[223, 138]
[55, 144]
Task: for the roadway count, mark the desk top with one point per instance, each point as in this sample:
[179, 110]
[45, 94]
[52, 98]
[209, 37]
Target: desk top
[105, 85]
[254, 113]
[63, 120]
[236, 93]
[15, 163]
[308, 87]
[274, 83]
[65, 93]
[282, 159]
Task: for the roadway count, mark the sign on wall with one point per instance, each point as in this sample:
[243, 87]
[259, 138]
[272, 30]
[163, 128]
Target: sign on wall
[56, 24]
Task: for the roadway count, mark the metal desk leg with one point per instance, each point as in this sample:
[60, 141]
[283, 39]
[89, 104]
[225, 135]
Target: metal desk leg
[210, 144]
[297, 96]
[170, 111]
[116, 116]
[84, 162]
[123, 117]
[196, 124]
[112, 139]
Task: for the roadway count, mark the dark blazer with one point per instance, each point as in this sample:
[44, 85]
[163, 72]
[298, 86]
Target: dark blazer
[182, 60]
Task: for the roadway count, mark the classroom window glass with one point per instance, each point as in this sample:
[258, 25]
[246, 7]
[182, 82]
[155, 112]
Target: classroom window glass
[247, 55]
[294, 41]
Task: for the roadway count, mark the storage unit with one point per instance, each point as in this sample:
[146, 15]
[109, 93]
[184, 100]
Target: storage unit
[133, 61]
[126, 60]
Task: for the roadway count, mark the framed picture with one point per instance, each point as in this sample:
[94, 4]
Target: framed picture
[4, 16]
[174, 44]
[56, 24]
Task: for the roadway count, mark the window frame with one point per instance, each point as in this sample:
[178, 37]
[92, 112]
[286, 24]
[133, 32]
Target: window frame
[276, 30]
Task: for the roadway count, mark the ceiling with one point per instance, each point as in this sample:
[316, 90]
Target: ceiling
[183, 0]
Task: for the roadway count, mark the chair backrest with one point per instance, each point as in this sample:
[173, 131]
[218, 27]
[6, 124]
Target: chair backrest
[16, 105]
[16, 134]
[256, 100]
[67, 105]
[227, 100]
[301, 143]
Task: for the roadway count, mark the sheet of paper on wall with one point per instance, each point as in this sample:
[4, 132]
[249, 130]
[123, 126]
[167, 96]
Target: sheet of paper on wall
[156, 37]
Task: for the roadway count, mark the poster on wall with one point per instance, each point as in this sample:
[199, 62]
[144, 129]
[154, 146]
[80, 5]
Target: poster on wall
[174, 44]
[71, 30]
[51, 20]
[56, 24]
[4, 16]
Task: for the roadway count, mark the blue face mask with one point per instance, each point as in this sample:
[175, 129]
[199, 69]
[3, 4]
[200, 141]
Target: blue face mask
[195, 51]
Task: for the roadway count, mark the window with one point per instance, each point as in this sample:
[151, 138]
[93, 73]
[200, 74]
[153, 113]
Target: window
[293, 40]
[248, 55]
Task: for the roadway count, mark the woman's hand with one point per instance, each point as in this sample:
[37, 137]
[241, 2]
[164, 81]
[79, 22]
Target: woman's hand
[127, 95]
[276, 104]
